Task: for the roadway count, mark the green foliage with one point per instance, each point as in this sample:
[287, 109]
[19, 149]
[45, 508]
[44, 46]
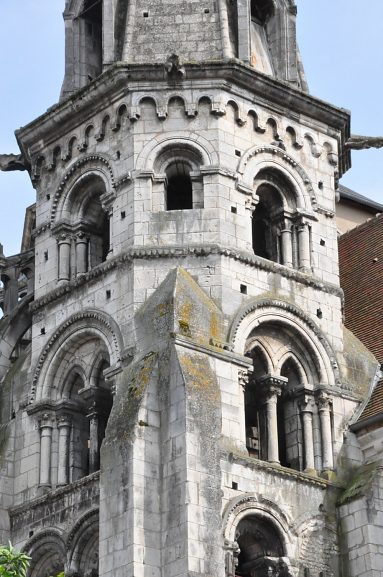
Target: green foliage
[13, 563]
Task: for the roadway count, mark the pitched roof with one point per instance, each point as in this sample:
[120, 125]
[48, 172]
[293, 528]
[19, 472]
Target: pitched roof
[374, 406]
[351, 195]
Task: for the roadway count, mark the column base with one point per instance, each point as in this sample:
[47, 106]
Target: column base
[328, 474]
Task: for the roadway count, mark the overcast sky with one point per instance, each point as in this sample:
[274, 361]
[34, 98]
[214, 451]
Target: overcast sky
[341, 45]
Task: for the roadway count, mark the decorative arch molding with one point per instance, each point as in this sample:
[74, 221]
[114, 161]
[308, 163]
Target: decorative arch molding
[276, 158]
[256, 312]
[43, 546]
[252, 505]
[155, 147]
[82, 541]
[88, 322]
[94, 164]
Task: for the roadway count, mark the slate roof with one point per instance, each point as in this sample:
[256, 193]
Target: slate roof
[351, 195]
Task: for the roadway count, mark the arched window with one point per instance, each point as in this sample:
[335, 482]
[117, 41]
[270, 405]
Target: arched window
[261, 548]
[83, 232]
[179, 189]
[179, 168]
[279, 232]
[279, 398]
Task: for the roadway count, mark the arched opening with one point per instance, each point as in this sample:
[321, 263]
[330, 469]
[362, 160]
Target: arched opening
[273, 396]
[91, 25]
[261, 548]
[179, 189]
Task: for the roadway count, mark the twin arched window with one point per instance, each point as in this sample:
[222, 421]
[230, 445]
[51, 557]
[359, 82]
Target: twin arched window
[279, 232]
[288, 420]
[83, 232]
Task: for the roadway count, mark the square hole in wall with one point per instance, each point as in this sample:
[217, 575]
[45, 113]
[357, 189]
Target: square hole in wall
[319, 313]
[320, 185]
[237, 152]
[108, 294]
[46, 255]
[123, 214]
[145, 14]
[42, 331]
[243, 288]
[206, 11]
[48, 197]
[322, 242]
[234, 209]
[234, 486]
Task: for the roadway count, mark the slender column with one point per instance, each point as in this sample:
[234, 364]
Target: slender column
[271, 389]
[64, 426]
[304, 247]
[93, 417]
[287, 247]
[46, 427]
[307, 408]
[324, 404]
[81, 254]
[64, 258]
[243, 381]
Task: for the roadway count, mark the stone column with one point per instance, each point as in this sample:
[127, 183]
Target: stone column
[243, 381]
[287, 246]
[46, 427]
[304, 247]
[94, 455]
[64, 243]
[324, 405]
[81, 254]
[271, 388]
[64, 427]
[306, 406]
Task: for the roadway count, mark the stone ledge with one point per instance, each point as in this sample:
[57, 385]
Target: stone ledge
[278, 470]
[54, 495]
[155, 252]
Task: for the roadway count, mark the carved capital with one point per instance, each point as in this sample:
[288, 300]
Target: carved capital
[272, 386]
[64, 421]
[324, 401]
[243, 378]
[306, 404]
[46, 421]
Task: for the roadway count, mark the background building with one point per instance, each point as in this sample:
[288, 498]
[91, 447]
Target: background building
[177, 383]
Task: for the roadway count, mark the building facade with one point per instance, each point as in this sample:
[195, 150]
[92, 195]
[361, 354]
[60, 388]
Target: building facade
[177, 383]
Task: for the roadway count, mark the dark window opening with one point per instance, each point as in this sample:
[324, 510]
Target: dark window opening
[282, 434]
[267, 221]
[179, 191]
[256, 433]
[261, 10]
[91, 14]
[260, 547]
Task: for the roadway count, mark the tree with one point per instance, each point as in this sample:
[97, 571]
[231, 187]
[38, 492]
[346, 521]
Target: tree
[13, 563]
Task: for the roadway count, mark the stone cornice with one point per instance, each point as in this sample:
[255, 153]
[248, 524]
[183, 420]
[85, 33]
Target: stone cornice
[54, 495]
[278, 470]
[220, 352]
[120, 79]
[155, 252]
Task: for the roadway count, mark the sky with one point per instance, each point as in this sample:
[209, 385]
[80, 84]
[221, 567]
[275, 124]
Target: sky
[341, 47]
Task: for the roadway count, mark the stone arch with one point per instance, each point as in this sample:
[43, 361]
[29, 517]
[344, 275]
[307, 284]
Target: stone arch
[251, 505]
[48, 552]
[82, 544]
[153, 149]
[285, 314]
[80, 171]
[271, 157]
[84, 325]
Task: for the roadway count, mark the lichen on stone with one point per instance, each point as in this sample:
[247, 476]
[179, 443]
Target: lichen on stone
[360, 483]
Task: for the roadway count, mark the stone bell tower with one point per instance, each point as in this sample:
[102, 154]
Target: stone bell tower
[187, 386]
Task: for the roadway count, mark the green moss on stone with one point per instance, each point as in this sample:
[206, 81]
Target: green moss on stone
[360, 483]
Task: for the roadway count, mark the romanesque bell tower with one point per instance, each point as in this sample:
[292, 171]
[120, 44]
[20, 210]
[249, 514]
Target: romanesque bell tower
[188, 385]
